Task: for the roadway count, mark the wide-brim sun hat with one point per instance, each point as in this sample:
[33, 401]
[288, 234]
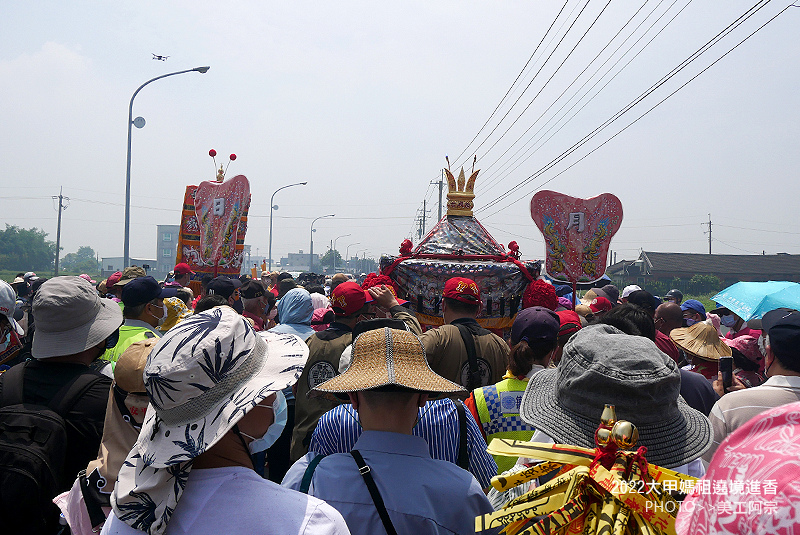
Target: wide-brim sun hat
[601, 365]
[71, 317]
[389, 358]
[204, 375]
[701, 340]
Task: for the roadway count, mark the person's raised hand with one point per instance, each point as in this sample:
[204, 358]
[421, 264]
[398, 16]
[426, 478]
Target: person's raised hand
[721, 391]
[382, 296]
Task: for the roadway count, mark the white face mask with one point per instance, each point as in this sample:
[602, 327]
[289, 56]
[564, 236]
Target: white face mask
[281, 411]
[272, 313]
[163, 317]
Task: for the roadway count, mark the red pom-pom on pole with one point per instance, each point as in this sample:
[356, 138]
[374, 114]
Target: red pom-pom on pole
[212, 153]
[233, 156]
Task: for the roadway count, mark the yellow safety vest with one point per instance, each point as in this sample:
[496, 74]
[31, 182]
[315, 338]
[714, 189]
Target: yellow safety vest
[498, 408]
[127, 336]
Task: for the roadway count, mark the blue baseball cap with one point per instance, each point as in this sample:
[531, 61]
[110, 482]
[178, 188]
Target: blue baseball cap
[694, 304]
[535, 324]
[142, 290]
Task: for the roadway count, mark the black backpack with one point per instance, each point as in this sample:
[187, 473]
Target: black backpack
[33, 440]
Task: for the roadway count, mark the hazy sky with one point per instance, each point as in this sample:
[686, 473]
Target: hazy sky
[364, 99]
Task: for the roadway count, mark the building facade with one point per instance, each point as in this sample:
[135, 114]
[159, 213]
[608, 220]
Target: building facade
[166, 249]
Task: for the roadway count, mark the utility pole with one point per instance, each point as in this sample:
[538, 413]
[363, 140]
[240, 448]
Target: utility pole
[441, 185]
[61, 206]
[709, 233]
[421, 219]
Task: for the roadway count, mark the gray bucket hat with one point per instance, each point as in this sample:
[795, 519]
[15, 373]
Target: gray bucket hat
[71, 317]
[600, 365]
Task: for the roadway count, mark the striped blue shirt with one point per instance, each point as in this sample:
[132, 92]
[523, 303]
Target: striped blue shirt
[338, 429]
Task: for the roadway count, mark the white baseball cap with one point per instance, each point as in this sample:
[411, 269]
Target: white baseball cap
[628, 290]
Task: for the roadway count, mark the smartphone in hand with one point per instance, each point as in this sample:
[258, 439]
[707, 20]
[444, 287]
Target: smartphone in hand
[726, 368]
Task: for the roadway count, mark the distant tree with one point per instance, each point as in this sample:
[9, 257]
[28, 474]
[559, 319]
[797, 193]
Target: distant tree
[702, 284]
[84, 261]
[327, 259]
[26, 249]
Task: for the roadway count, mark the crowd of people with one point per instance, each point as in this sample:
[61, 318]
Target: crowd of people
[275, 405]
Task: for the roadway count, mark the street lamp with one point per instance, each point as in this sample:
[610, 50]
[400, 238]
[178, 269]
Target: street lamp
[347, 251]
[311, 248]
[275, 207]
[139, 123]
[333, 253]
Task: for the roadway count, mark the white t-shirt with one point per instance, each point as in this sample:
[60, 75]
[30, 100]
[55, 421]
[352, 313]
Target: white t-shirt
[236, 500]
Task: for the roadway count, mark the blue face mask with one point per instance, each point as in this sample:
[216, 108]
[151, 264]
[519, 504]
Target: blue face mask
[728, 321]
[274, 431]
[689, 321]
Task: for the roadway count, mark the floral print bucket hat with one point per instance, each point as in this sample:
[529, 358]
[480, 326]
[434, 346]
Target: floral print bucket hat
[202, 377]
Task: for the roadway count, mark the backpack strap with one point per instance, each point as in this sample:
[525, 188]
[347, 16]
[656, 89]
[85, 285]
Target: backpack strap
[309, 473]
[62, 402]
[365, 472]
[473, 378]
[463, 460]
[72, 392]
[12, 386]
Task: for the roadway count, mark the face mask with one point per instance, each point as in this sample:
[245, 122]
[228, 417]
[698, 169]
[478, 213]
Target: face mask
[728, 321]
[163, 317]
[273, 431]
[689, 321]
[272, 313]
[6, 341]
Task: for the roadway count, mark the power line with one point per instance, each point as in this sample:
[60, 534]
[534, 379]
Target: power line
[499, 174]
[758, 229]
[633, 103]
[514, 82]
[537, 73]
[569, 54]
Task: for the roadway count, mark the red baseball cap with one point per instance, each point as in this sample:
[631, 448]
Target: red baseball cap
[463, 289]
[113, 279]
[570, 322]
[348, 298]
[182, 269]
[600, 304]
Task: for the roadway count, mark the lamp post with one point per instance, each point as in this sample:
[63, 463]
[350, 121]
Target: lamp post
[334, 249]
[273, 207]
[347, 251]
[311, 248]
[139, 123]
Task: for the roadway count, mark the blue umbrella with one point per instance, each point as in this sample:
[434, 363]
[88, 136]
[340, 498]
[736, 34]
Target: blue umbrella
[751, 300]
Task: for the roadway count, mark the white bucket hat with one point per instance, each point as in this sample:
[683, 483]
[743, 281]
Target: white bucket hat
[71, 317]
[202, 377]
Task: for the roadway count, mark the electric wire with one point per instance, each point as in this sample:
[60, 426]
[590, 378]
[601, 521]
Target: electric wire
[537, 73]
[514, 83]
[498, 174]
[636, 101]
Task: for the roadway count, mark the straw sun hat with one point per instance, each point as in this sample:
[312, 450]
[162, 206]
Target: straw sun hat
[701, 340]
[388, 358]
